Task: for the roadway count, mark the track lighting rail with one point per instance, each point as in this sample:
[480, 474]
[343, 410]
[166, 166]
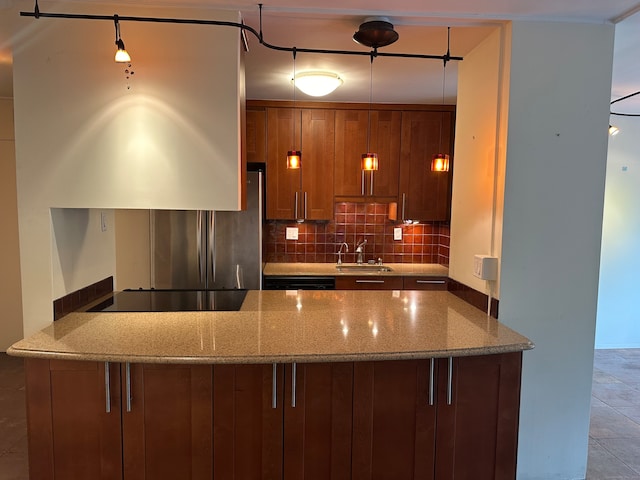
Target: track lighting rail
[188, 21]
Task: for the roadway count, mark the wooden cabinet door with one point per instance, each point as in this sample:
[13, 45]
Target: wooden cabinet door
[167, 424]
[256, 135]
[394, 420]
[318, 402]
[318, 151]
[425, 283]
[247, 422]
[352, 127]
[368, 282]
[283, 185]
[73, 420]
[477, 432]
[424, 195]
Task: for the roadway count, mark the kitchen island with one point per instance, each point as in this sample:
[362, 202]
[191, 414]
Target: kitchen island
[297, 384]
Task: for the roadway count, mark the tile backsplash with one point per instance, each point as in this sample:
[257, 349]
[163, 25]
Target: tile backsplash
[319, 241]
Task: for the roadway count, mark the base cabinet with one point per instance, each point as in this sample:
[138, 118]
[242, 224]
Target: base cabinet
[447, 418]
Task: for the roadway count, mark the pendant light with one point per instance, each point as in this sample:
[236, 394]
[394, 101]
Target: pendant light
[440, 161]
[370, 159]
[121, 54]
[294, 157]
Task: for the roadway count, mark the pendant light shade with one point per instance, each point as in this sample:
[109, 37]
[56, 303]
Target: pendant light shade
[440, 163]
[613, 130]
[294, 159]
[369, 161]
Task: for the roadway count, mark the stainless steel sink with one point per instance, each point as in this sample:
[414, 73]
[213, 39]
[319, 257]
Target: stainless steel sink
[364, 267]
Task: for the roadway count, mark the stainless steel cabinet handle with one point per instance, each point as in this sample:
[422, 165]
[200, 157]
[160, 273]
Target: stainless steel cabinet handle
[293, 384]
[199, 234]
[369, 281]
[127, 376]
[450, 382]
[274, 386]
[362, 182]
[431, 369]
[431, 282]
[404, 201]
[371, 185]
[295, 206]
[305, 205]
[212, 249]
[107, 387]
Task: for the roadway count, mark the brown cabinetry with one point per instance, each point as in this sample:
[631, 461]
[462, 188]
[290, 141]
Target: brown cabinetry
[424, 195]
[305, 193]
[106, 421]
[256, 135]
[368, 282]
[352, 129]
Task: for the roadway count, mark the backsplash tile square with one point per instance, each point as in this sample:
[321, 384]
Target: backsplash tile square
[353, 222]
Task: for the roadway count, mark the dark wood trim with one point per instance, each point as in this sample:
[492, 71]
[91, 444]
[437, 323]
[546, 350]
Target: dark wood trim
[80, 298]
[473, 297]
[262, 104]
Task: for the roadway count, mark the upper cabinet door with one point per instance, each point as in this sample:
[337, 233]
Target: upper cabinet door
[352, 129]
[256, 136]
[318, 152]
[283, 185]
[424, 195]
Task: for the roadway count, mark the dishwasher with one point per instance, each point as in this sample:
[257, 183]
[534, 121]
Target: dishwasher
[298, 282]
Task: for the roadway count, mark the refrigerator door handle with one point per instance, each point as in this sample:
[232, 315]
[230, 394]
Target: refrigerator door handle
[212, 246]
[199, 232]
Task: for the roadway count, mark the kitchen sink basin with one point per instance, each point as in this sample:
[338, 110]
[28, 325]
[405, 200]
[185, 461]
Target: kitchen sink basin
[364, 267]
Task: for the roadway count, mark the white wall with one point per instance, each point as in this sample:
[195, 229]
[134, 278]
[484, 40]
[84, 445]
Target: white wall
[478, 180]
[10, 294]
[618, 324]
[560, 83]
[85, 141]
[133, 249]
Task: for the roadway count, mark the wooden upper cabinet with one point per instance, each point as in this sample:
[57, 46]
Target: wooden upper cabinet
[305, 193]
[424, 195]
[256, 135]
[352, 129]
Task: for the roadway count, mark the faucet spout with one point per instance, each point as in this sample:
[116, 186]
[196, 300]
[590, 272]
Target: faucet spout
[344, 244]
[360, 251]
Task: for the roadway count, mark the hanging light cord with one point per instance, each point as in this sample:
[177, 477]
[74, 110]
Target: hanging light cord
[293, 110]
[444, 77]
[370, 99]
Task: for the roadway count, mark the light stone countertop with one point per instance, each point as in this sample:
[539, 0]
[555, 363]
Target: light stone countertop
[313, 269]
[283, 326]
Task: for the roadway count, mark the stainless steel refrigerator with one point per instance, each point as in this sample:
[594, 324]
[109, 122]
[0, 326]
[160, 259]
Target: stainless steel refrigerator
[203, 250]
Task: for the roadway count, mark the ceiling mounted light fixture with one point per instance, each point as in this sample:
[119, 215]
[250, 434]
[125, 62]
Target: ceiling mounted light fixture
[440, 161]
[122, 56]
[317, 84]
[294, 157]
[376, 32]
[370, 159]
[613, 130]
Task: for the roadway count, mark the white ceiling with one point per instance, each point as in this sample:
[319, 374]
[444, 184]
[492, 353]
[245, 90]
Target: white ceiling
[421, 24]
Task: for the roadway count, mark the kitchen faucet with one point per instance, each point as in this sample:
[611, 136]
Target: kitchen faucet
[360, 251]
[340, 252]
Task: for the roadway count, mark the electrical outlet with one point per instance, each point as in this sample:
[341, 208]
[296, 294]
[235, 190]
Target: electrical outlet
[397, 233]
[292, 233]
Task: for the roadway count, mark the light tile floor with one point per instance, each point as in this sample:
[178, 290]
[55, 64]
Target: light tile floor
[614, 437]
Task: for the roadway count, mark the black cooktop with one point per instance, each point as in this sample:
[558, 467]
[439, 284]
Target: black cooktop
[172, 301]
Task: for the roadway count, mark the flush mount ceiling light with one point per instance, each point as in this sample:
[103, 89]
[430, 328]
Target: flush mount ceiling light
[613, 130]
[317, 84]
[376, 32]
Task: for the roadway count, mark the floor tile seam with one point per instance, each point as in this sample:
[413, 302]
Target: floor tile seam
[627, 416]
[610, 452]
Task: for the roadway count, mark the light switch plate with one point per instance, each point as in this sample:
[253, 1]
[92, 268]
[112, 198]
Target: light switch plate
[397, 233]
[292, 233]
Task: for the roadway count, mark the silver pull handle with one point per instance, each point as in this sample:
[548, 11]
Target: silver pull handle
[431, 282]
[371, 185]
[127, 376]
[362, 182]
[293, 384]
[369, 281]
[199, 233]
[107, 387]
[274, 387]
[431, 370]
[305, 205]
[212, 248]
[404, 201]
[450, 382]
[295, 206]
